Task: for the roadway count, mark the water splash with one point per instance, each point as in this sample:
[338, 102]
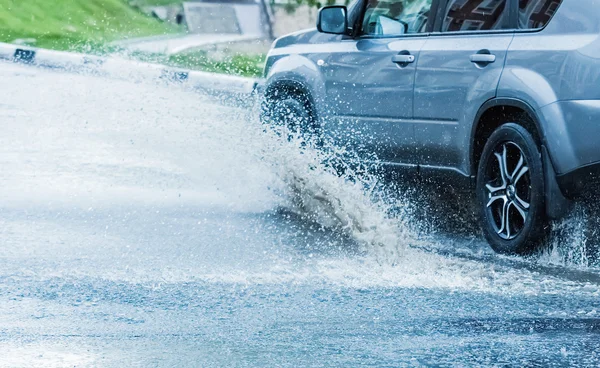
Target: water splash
[134, 153]
[573, 241]
[328, 186]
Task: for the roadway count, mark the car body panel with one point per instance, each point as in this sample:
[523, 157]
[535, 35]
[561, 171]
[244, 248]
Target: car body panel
[289, 62]
[573, 127]
[372, 97]
[446, 75]
[559, 63]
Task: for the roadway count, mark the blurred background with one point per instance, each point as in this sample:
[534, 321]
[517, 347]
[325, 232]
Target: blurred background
[226, 36]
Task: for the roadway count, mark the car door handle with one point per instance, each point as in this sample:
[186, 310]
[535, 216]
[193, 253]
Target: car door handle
[403, 59]
[483, 58]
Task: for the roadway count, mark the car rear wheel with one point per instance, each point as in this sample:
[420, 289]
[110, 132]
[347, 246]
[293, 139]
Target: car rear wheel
[510, 188]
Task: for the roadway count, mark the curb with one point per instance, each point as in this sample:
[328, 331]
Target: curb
[116, 67]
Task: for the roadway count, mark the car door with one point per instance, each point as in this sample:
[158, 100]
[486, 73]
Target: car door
[459, 68]
[370, 85]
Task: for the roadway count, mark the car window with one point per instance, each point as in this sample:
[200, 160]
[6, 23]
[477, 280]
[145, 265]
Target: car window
[534, 14]
[395, 17]
[475, 15]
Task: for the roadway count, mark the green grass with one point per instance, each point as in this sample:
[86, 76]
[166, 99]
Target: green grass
[75, 24]
[89, 25]
[242, 64]
[247, 65]
[156, 2]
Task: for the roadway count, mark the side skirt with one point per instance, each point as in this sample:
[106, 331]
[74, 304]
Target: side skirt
[443, 176]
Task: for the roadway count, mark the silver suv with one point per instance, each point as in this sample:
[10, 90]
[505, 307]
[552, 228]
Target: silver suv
[499, 95]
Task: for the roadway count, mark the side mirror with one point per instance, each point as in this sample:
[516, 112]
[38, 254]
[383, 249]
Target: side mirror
[333, 19]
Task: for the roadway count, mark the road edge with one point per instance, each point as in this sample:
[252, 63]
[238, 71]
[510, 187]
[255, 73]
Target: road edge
[124, 68]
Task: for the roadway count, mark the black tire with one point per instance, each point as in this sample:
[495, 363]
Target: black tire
[511, 192]
[292, 111]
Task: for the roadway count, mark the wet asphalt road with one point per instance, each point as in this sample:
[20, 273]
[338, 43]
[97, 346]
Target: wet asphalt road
[145, 225]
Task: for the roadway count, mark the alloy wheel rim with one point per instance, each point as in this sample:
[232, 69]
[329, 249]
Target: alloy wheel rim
[508, 190]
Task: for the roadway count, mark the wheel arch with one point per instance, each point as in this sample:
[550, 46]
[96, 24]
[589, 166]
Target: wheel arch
[502, 110]
[287, 87]
[496, 112]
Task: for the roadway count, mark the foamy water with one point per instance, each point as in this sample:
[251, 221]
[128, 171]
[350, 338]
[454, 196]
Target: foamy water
[89, 149]
[144, 224]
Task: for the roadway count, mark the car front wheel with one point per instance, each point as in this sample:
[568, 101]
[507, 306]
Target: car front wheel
[291, 111]
[510, 188]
